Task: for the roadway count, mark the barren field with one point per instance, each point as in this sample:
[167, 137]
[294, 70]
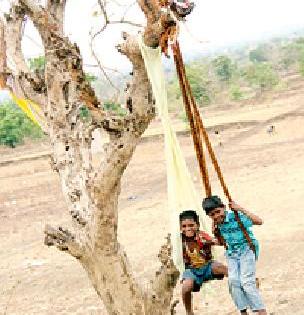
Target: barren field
[263, 170]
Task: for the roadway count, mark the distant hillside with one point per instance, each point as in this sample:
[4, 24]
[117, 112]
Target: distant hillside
[234, 73]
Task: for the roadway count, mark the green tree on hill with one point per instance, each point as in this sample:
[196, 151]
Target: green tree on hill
[261, 75]
[223, 67]
[197, 74]
[258, 55]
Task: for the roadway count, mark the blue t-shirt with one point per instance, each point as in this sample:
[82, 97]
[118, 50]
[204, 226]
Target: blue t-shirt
[233, 235]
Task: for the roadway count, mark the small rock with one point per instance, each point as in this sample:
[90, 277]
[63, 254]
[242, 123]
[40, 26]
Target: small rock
[33, 263]
[132, 198]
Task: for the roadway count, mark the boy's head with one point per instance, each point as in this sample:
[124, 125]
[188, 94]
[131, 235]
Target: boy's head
[189, 223]
[214, 208]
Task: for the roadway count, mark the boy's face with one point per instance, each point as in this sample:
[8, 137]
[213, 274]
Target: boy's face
[189, 227]
[217, 215]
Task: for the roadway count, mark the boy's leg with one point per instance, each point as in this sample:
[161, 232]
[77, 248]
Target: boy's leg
[248, 282]
[187, 289]
[234, 281]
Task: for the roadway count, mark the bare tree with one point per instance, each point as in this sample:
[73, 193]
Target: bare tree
[91, 192]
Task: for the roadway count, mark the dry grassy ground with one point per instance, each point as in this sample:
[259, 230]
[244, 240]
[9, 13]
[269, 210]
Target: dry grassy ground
[265, 173]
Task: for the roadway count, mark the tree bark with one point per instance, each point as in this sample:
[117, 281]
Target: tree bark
[3, 65]
[92, 193]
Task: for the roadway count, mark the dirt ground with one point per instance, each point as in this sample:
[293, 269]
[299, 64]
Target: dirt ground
[265, 174]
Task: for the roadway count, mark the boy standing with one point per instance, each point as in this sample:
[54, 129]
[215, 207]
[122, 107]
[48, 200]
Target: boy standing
[199, 265]
[240, 257]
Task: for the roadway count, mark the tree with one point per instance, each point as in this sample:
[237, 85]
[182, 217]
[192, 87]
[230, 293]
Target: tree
[37, 63]
[223, 68]
[258, 54]
[91, 193]
[197, 74]
[236, 93]
[301, 64]
[261, 75]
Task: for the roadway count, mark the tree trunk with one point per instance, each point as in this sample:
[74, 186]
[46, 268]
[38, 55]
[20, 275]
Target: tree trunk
[92, 193]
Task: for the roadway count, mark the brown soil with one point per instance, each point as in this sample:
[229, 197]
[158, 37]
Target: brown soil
[265, 174]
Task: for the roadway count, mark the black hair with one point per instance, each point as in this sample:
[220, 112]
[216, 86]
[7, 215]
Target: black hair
[211, 203]
[189, 214]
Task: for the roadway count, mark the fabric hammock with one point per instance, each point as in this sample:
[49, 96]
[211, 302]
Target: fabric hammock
[181, 191]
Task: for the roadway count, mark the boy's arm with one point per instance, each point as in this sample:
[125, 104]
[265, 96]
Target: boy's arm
[207, 239]
[211, 240]
[256, 220]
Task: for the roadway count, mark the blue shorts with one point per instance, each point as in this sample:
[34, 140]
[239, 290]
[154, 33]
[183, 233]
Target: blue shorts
[199, 275]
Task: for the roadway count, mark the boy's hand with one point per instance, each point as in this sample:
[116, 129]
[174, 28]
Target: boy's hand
[234, 206]
[256, 220]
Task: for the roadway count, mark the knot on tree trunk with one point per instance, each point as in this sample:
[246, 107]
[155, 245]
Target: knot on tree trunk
[63, 239]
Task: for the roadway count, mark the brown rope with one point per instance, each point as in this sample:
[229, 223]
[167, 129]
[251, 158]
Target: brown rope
[195, 135]
[198, 130]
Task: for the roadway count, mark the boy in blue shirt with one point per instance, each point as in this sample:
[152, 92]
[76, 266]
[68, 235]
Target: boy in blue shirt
[240, 257]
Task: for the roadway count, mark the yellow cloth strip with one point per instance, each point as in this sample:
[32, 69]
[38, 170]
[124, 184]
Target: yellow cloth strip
[181, 191]
[23, 105]
[31, 109]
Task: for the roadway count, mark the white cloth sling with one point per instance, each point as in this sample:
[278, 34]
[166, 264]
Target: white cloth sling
[181, 191]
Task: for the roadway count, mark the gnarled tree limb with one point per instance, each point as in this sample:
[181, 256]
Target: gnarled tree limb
[57, 8]
[26, 84]
[64, 240]
[3, 62]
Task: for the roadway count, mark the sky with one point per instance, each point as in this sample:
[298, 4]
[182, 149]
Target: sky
[212, 24]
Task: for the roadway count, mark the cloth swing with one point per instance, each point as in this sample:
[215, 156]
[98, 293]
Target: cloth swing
[182, 194]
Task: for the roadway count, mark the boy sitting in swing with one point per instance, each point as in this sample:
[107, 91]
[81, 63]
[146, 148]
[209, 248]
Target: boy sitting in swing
[240, 257]
[199, 265]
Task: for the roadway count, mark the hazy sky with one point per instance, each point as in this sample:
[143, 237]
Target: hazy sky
[215, 22]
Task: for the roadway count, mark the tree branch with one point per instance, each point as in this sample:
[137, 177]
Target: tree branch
[59, 48]
[107, 21]
[151, 10]
[154, 27]
[64, 240]
[101, 68]
[26, 83]
[57, 8]
[3, 59]
[119, 151]
[159, 294]
[166, 277]
[124, 141]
